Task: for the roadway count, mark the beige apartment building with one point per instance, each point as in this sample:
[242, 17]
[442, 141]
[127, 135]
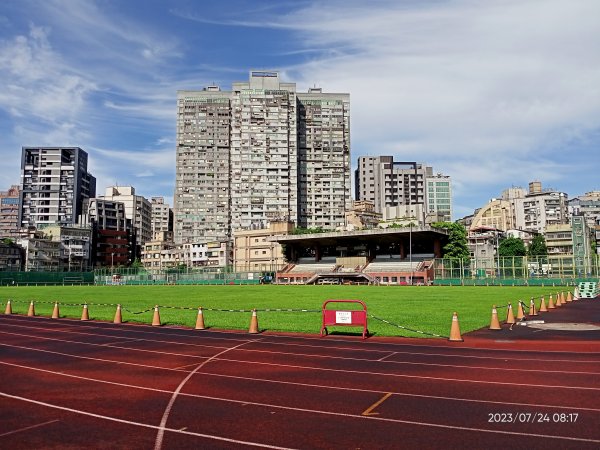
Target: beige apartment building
[253, 252]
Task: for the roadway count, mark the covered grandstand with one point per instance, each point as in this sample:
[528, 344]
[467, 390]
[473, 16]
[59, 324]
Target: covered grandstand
[384, 256]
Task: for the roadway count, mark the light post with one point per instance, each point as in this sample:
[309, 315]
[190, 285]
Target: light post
[410, 253]
[112, 261]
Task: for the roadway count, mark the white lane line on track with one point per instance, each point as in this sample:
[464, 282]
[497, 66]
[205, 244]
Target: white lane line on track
[383, 358]
[139, 424]
[392, 375]
[138, 329]
[310, 411]
[29, 428]
[293, 383]
[167, 412]
[455, 366]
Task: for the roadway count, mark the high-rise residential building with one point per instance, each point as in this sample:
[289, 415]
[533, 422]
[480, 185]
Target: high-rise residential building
[137, 209]
[405, 186]
[113, 237]
[258, 153]
[54, 183]
[9, 213]
[162, 216]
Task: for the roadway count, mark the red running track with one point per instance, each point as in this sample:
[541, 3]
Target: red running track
[72, 384]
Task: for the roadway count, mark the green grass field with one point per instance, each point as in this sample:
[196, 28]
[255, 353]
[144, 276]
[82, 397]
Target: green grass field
[427, 309]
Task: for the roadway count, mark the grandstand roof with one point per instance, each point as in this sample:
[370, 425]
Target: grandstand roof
[379, 236]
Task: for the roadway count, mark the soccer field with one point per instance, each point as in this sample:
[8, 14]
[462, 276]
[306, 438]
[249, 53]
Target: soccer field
[428, 309]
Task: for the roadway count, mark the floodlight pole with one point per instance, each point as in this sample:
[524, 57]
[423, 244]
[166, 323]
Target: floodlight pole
[410, 252]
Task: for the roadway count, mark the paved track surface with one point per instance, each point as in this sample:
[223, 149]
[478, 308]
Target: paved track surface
[73, 384]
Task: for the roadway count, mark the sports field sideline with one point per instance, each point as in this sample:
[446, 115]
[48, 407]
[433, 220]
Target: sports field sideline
[407, 309]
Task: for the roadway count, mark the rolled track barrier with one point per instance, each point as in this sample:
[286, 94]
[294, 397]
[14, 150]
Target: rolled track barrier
[85, 315]
[118, 315]
[543, 305]
[253, 329]
[510, 316]
[200, 320]
[495, 323]
[156, 317]
[55, 312]
[31, 310]
[551, 302]
[455, 329]
[8, 309]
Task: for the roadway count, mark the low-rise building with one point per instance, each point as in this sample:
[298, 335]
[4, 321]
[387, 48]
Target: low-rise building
[11, 257]
[9, 213]
[254, 253]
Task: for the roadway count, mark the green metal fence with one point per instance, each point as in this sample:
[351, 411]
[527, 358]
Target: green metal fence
[517, 270]
[46, 278]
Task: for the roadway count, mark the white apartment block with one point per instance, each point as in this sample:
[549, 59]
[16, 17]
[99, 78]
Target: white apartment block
[532, 211]
[540, 208]
[403, 187]
[137, 209]
[258, 153]
[54, 183]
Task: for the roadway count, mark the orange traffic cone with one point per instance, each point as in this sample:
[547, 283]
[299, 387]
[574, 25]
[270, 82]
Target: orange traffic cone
[31, 311]
[118, 315]
[558, 303]
[510, 316]
[543, 305]
[495, 323]
[562, 298]
[156, 318]
[85, 315]
[8, 309]
[200, 320]
[253, 323]
[569, 297]
[532, 311]
[551, 302]
[55, 313]
[455, 329]
[520, 313]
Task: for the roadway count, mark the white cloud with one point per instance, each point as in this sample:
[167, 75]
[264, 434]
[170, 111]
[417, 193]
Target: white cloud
[470, 84]
[36, 81]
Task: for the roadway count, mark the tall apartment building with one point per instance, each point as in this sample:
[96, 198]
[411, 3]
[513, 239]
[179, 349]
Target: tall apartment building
[162, 216]
[9, 213]
[113, 237]
[137, 209]
[258, 153]
[389, 184]
[54, 183]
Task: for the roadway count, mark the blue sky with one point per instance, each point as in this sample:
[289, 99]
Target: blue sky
[494, 94]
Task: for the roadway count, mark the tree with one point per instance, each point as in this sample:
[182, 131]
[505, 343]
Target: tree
[512, 246]
[457, 247]
[538, 246]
